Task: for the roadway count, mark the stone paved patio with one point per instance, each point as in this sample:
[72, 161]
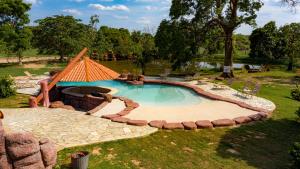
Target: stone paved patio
[69, 128]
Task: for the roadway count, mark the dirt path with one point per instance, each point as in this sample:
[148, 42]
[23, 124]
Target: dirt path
[27, 59]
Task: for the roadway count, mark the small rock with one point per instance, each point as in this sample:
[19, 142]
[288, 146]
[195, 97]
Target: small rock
[204, 124]
[110, 116]
[255, 117]
[96, 151]
[223, 122]
[173, 126]
[137, 122]
[242, 120]
[56, 104]
[233, 151]
[187, 149]
[157, 123]
[120, 120]
[189, 125]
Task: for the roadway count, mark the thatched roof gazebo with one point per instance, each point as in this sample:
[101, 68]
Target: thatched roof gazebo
[80, 69]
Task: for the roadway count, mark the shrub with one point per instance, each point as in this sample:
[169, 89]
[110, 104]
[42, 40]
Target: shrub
[7, 87]
[295, 153]
[295, 93]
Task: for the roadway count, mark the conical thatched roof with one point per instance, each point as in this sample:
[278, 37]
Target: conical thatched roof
[88, 70]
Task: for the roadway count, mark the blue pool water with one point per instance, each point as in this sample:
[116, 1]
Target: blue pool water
[147, 94]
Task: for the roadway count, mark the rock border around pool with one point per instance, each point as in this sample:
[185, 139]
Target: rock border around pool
[188, 125]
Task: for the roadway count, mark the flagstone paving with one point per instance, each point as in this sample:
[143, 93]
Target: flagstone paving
[68, 128]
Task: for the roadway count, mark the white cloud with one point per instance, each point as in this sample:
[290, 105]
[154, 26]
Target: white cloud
[121, 17]
[72, 11]
[109, 8]
[144, 20]
[78, 0]
[151, 8]
[155, 8]
[32, 1]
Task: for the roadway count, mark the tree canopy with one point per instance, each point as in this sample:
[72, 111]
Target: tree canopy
[228, 15]
[14, 35]
[62, 35]
[271, 43]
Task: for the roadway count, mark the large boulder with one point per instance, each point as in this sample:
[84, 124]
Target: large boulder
[5, 163]
[33, 161]
[21, 145]
[48, 152]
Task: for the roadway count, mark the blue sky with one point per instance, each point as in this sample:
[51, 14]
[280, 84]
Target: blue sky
[144, 14]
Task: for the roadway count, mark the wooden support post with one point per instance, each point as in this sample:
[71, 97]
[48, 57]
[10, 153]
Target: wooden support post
[59, 76]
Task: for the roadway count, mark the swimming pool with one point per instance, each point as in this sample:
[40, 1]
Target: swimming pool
[148, 94]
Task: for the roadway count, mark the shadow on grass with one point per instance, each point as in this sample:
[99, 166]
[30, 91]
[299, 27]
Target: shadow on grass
[263, 145]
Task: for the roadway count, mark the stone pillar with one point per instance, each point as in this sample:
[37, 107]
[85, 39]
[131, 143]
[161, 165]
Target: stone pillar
[45, 91]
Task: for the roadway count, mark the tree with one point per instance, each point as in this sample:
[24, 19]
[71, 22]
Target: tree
[228, 15]
[241, 43]
[144, 48]
[13, 33]
[266, 44]
[62, 35]
[291, 34]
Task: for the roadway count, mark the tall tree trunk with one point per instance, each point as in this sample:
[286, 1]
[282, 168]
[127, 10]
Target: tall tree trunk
[227, 70]
[20, 58]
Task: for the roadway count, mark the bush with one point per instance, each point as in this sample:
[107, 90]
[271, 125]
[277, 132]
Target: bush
[7, 87]
[295, 93]
[295, 153]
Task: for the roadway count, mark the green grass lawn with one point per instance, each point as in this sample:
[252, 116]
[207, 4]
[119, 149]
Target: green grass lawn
[262, 145]
[17, 101]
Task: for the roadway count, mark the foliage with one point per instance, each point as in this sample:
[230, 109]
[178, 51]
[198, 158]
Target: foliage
[14, 12]
[228, 15]
[295, 93]
[13, 17]
[271, 43]
[62, 35]
[145, 49]
[167, 39]
[291, 34]
[264, 42]
[7, 88]
[295, 153]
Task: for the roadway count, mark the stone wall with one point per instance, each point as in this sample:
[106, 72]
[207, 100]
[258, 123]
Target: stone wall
[24, 151]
